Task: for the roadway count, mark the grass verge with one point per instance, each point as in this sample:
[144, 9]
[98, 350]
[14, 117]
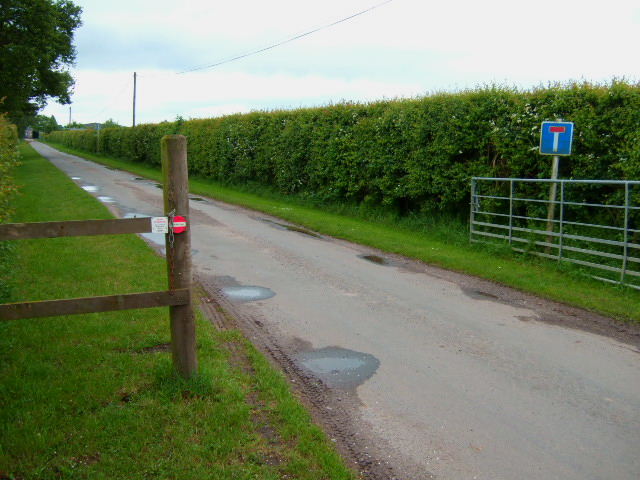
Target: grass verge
[95, 396]
[431, 240]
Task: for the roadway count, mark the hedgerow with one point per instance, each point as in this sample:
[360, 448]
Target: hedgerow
[8, 161]
[416, 154]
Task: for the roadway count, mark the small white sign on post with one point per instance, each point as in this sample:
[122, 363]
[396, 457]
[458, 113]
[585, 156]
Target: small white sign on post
[159, 225]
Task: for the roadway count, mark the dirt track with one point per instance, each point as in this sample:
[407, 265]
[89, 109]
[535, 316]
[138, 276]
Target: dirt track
[433, 374]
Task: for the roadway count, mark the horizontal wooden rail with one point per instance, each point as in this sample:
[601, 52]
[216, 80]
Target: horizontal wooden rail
[74, 228]
[72, 306]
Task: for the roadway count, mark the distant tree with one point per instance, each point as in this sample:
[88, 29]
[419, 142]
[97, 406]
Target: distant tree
[45, 124]
[110, 123]
[53, 124]
[36, 47]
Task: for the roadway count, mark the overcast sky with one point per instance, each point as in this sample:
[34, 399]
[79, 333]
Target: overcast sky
[401, 49]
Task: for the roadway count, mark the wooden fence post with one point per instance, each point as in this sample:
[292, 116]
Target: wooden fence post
[176, 200]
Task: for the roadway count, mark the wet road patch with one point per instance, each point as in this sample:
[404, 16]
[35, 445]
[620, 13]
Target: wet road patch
[290, 228]
[90, 188]
[480, 295]
[106, 199]
[378, 260]
[339, 367]
[239, 293]
[157, 238]
[197, 199]
[247, 293]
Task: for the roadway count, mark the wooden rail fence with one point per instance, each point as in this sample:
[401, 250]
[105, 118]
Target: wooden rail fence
[178, 248]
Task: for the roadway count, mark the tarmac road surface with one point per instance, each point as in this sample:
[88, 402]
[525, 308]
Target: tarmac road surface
[452, 377]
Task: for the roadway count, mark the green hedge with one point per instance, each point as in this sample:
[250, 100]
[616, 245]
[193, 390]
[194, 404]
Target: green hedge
[414, 154]
[8, 161]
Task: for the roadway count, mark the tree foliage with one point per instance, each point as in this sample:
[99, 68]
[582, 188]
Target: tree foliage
[111, 123]
[36, 47]
[8, 162]
[45, 124]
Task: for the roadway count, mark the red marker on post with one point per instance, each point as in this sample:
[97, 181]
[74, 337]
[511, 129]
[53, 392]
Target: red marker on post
[178, 224]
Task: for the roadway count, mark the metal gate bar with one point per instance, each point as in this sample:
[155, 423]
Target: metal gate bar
[496, 216]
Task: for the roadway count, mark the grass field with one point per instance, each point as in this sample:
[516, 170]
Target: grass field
[434, 240]
[95, 396]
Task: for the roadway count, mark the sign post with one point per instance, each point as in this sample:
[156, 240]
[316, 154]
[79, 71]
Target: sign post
[555, 139]
[178, 240]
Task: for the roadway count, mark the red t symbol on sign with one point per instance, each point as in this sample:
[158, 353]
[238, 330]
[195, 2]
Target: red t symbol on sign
[556, 135]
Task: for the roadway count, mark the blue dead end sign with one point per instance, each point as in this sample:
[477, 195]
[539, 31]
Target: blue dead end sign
[556, 138]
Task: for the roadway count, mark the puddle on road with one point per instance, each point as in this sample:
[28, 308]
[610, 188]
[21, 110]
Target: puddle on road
[138, 179]
[197, 199]
[248, 293]
[339, 367]
[375, 259]
[106, 199]
[479, 295]
[291, 228]
[76, 178]
[157, 238]
[236, 292]
[379, 260]
[90, 188]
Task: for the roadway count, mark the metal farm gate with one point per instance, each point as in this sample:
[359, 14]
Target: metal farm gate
[590, 223]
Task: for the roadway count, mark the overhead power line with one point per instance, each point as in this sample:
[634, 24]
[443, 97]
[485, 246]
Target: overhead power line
[289, 40]
[248, 54]
[113, 98]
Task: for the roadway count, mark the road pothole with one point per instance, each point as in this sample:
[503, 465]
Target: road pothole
[378, 260]
[247, 293]
[480, 295]
[339, 367]
[290, 228]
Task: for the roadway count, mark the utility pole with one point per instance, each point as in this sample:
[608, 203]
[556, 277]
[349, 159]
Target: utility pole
[69, 124]
[134, 98]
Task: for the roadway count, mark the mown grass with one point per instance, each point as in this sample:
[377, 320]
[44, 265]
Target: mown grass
[435, 240]
[87, 396]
